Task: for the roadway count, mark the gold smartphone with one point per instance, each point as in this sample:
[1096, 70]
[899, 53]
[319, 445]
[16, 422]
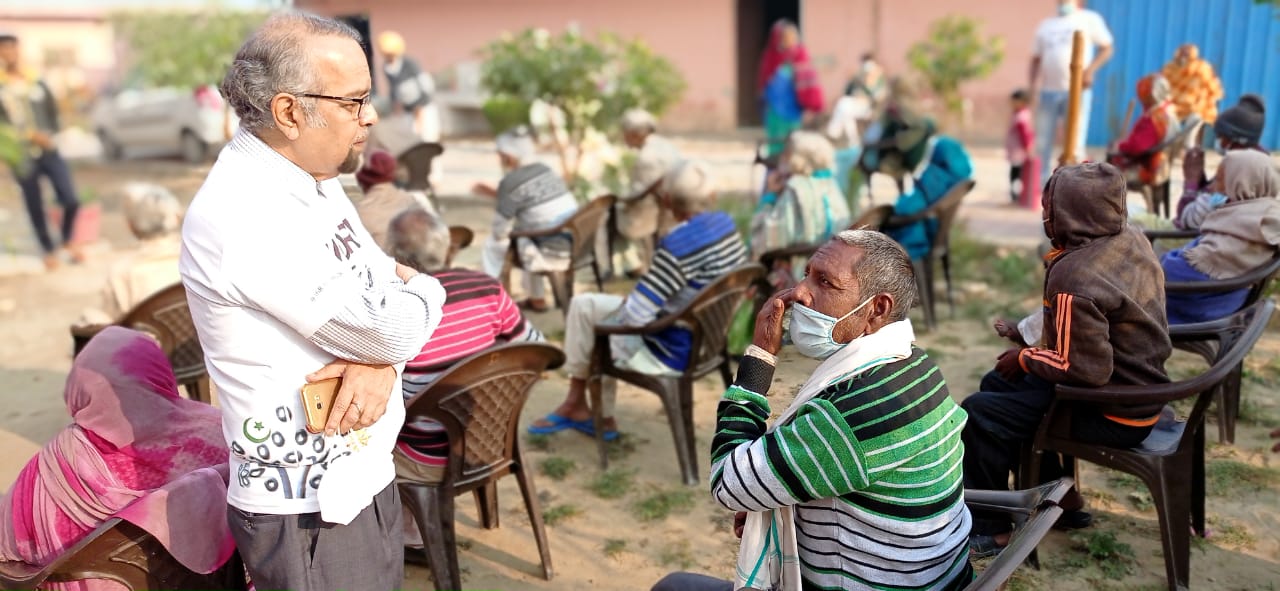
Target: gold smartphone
[317, 402]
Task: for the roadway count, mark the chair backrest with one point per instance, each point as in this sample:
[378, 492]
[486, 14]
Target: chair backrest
[874, 218]
[708, 314]
[417, 165]
[479, 401]
[122, 552]
[1255, 280]
[460, 237]
[1236, 335]
[584, 224]
[1043, 510]
[945, 211]
[165, 316]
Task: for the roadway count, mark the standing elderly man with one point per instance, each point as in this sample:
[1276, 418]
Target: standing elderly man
[1051, 73]
[703, 246]
[861, 473]
[410, 87]
[638, 213]
[297, 292]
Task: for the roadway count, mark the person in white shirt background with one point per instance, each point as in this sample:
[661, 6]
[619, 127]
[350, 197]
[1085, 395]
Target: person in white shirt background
[286, 286]
[1051, 74]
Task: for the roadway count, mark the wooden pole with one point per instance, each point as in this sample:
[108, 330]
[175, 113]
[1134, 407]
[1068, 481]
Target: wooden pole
[1069, 155]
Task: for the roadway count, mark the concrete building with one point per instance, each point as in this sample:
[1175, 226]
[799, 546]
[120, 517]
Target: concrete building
[715, 43]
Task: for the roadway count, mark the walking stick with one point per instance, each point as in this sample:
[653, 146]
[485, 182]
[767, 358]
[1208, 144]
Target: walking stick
[1069, 155]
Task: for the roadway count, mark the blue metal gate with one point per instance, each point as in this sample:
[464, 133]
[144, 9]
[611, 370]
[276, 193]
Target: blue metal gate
[1239, 37]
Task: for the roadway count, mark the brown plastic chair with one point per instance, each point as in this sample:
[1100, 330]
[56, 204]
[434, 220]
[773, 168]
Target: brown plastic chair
[944, 211]
[1256, 281]
[165, 316]
[1171, 460]
[1033, 510]
[478, 401]
[460, 237]
[707, 318]
[415, 167]
[581, 228]
[122, 552]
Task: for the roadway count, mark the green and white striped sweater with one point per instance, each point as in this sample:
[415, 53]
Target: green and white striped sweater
[872, 466]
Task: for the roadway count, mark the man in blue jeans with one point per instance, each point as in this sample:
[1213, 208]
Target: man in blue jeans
[1051, 73]
[29, 108]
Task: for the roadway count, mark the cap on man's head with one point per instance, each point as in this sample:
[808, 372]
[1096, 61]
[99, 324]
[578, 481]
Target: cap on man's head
[379, 167]
[638, 120]
[1243, 122]
[7, 36]
[391, 43]
[516, 143]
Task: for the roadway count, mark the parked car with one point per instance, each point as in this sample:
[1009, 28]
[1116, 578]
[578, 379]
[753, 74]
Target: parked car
[191, 123]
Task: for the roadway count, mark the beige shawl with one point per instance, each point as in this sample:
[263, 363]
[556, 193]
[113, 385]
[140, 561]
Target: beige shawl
[1243, 234]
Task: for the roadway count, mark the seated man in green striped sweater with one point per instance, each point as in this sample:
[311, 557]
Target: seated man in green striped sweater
[862, 473]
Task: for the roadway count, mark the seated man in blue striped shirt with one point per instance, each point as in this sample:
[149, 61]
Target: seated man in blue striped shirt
[703, 246]
[860, 477]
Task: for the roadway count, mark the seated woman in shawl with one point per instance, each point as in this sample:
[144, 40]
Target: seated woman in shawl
[1157, 125]
[1239, 236]
[803, 203]
[1238, 128]
[938, 163]
[135, 450]
[788, 85]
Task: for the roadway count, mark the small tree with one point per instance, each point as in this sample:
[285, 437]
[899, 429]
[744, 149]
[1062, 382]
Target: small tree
[592, 82]
[953, 54]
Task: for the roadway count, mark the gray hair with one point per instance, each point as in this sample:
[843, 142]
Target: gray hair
[417, 239]
[151, 210]
[885, 267]
[690, 186]
[275, 59]
[638, 120]
[809, 152]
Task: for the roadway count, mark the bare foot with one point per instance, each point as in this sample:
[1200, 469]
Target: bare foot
[51, 262]
[77, 253]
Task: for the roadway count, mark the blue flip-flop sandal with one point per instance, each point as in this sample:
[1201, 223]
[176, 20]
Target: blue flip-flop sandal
[558, 424]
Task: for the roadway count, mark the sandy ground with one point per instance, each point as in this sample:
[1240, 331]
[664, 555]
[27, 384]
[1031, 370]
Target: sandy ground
[625, 542]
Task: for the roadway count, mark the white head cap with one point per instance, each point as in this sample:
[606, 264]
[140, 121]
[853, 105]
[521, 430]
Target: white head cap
[152, 211]
[516, 143]
[690, 186]
[638, 120]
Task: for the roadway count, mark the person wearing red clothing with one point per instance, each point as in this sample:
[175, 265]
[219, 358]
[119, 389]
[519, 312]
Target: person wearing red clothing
[1020, 143]
[1158, 124]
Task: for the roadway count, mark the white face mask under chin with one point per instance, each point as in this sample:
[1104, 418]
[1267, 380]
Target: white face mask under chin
[811, 330]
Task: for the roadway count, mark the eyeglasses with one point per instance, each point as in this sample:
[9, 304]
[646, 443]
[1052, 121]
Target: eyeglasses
[361, 102]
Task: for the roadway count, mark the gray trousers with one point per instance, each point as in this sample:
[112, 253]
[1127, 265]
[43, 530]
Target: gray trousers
[304, 553]
[692, 582]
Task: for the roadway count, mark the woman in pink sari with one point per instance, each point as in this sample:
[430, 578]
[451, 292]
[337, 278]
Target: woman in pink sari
[135, 450]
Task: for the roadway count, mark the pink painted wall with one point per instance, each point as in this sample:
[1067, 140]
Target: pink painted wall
[701, 38]
[701, 41]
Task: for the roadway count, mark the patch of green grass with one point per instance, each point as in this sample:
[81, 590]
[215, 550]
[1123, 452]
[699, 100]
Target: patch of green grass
[678, 556]
[935, 354]
[539, 442]
[1113, 557]
[1124, 481]
[612, 484]
[1229, 534]
[1234, 478]
[659, 505]
[623, 446]
[553, 516]
[556, 467]
[1251, 413]
[1141, 500]
[613, 548]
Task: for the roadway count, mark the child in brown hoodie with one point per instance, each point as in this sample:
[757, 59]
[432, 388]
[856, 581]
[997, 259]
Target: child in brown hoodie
[1104, 324]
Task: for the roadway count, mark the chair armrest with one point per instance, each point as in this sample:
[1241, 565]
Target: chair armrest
[538, 233]
[898, 221]
[1150, 394]
[787, 252]
[610, 326]
[87, 331]
[1154, 235]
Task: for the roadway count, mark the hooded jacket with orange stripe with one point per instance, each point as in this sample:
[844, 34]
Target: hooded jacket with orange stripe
[1104, 303]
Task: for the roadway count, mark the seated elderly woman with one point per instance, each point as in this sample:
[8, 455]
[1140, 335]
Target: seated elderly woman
[136, 450]
[155, 217]
[477, 314]
[382, 199]
[1235, 238]
[1238, 128]
[802, 203]
[1157, 125]
[530, 197]
[939, 163]
[703, 246]
[638, 213]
